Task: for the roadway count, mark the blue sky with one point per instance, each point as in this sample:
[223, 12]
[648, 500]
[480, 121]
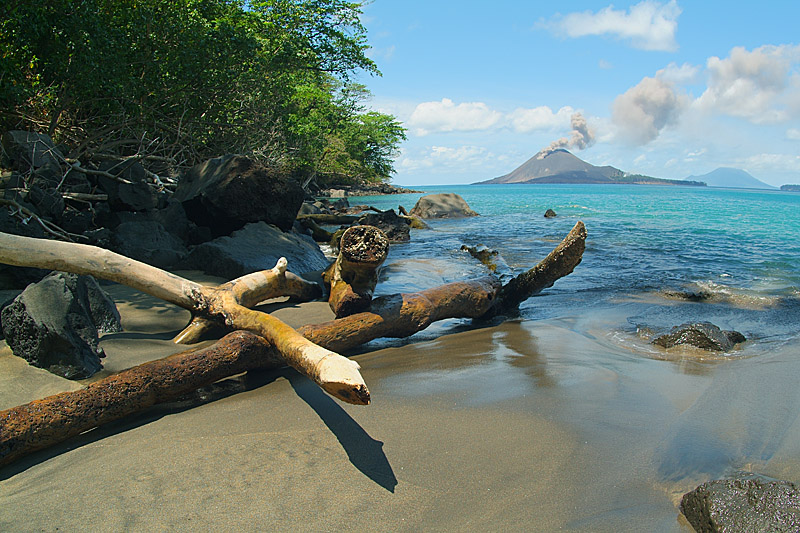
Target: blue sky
[657, 87]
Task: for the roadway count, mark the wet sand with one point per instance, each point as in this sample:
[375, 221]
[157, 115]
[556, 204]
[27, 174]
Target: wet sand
[534, 426]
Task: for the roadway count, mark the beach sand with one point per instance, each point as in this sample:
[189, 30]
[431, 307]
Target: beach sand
[526, 426]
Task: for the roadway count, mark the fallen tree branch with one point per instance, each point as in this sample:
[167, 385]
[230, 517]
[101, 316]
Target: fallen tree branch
[43, 423]
[338, 375]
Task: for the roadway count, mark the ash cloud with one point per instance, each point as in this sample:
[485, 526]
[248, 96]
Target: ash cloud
[580, 138]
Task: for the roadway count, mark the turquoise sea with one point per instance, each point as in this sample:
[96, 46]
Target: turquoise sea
[739, 248]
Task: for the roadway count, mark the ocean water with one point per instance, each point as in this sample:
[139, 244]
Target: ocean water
[646, 245]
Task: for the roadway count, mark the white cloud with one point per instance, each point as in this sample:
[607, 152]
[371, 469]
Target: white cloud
[649, 25]
[605, 65]
[445, 157]
[444, 116]
[759, 85]
[524, 120]
[692, 156]
[673, 73]
[645, 109]
[793, 134]
[771, 163]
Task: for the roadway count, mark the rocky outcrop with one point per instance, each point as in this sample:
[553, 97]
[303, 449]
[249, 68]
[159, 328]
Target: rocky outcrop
[376, 189]
[228, 192]
[148, 241]
[54, 324]
[395, 227]
[703, 335]
[135, 195]
[257, 246]
[743, 504]
[550, 214]
[442, 205]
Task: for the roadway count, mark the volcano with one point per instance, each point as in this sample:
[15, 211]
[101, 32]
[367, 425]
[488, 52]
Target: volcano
[560, 166]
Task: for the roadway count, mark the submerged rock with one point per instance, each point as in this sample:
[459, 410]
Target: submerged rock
[703, 335]
[443, 205]
[53, 324]
[745, 503]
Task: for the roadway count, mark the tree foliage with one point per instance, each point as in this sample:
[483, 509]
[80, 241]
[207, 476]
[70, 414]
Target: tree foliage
[193, 79]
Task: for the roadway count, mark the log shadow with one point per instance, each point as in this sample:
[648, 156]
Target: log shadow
[364, 452]
[207, 394]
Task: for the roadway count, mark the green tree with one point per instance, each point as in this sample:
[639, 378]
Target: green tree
[191, 79]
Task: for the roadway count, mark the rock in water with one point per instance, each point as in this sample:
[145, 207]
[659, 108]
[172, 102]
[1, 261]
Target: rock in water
[743, 504]
[550, 214]
[53, 324]
[703, 335]
[443, 205]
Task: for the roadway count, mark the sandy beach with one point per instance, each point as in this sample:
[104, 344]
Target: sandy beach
[528, 425]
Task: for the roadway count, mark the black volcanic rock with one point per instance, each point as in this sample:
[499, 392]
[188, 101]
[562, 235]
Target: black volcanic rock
[747, 502]
[53, 324]
[226, 193]
[703, 335]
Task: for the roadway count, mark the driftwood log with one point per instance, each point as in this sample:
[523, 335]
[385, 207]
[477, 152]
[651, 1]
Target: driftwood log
[45, 422]
[227, 303]
[351, 279]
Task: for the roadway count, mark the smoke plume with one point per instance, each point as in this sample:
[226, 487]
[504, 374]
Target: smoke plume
[580, 138]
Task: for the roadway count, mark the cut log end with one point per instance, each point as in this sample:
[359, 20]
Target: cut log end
[340, 377]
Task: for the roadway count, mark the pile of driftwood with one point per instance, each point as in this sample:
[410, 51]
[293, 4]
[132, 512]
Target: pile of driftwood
[258, 340]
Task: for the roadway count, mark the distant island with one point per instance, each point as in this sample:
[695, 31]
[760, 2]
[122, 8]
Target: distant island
[731, 177]
[790, 188]
[560, 166]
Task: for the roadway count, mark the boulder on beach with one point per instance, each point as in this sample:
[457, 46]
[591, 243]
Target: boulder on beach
[54, 324]
[228, 192]
[703, 335]
[442, 205]
[744, 503]
[257, 246]
[148, 241]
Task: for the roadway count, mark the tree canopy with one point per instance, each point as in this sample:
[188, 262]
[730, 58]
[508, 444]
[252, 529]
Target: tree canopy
[192, 79]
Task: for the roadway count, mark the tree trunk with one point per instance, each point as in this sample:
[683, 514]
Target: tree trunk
[351, 279]
[42, 423]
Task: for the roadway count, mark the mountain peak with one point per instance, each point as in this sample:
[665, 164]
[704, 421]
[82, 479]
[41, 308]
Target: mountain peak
[557, 165]
[731, 177]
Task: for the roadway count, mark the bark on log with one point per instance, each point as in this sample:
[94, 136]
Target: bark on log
[338, 375]
[351, 279]
[43, 423]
